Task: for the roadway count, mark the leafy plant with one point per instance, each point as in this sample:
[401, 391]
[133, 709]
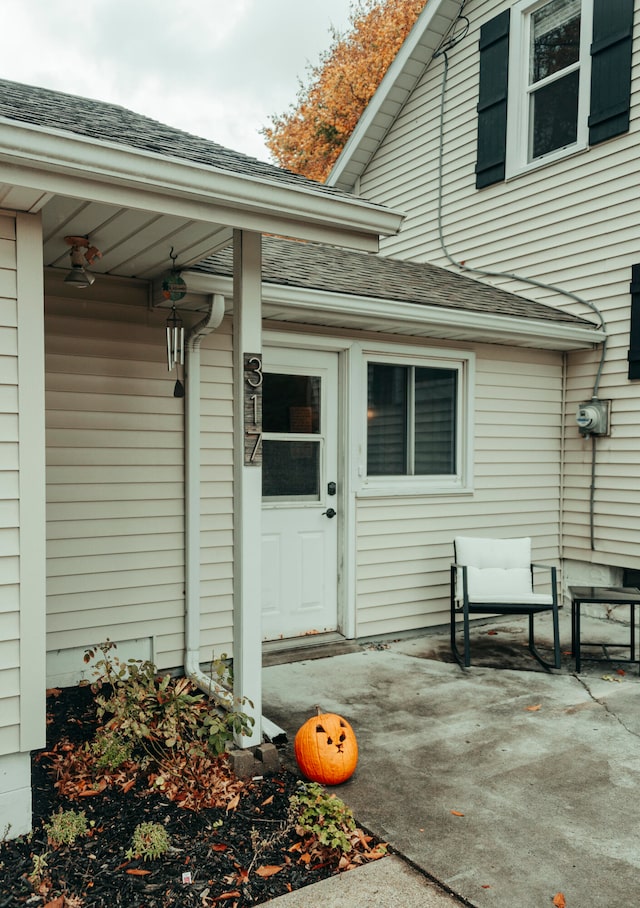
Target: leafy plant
[65, 827]
[111, 750]
[159, 713]
[40, 865]
[150, 841]
[323, 815]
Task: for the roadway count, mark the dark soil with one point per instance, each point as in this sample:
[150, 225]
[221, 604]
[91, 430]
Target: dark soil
[224, 853]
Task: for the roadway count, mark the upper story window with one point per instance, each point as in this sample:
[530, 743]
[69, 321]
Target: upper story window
[549, 73]
[555, 77]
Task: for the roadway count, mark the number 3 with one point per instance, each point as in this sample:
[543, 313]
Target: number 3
[256, 371]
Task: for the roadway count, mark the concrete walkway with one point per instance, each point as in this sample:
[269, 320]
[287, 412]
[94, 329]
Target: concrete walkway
[506, 785]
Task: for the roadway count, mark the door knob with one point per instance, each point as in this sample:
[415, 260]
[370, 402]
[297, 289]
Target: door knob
[330, 513]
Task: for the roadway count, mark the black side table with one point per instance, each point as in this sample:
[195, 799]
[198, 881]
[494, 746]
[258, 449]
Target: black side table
[605, 595]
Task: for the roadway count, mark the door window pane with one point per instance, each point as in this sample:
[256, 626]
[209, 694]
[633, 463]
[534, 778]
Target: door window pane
[291, 469]
[291, 403]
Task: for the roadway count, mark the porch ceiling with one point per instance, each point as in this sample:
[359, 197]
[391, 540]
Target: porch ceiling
[133, 243]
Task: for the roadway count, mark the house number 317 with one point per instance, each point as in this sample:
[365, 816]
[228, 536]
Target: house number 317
[253, 381]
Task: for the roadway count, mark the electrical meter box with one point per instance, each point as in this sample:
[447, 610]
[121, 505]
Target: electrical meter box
[593, 417]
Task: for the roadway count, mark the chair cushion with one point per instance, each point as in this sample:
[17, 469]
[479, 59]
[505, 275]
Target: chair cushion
[498, 585]
[493, 553]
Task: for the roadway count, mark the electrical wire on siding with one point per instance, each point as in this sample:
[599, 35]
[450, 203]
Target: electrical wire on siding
[456, 34]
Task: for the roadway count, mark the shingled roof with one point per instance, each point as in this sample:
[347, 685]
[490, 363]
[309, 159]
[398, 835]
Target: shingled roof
[98, 120]
[338, 271]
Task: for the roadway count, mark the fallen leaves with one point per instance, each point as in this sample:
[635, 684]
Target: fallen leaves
[534, 709]
[268, 870]
[559, 900]
[457, 813]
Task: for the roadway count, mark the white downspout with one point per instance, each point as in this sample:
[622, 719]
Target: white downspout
[192, 670]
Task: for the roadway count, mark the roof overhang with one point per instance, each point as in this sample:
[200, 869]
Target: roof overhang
[405, 71]
[39, 167]
[299, 306]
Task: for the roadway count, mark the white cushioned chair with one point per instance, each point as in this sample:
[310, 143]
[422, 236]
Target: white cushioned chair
[496, 576]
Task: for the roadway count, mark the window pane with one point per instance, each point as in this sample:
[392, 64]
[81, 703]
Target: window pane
[554, 115]
[291, 469]
[435, 421]
[555, 38]
[291, 403]
[387, 420]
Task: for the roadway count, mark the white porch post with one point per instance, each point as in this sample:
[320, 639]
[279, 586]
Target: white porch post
[247, 630]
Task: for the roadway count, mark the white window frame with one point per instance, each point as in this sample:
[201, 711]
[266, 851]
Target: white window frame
[421, 357]
[518, 94]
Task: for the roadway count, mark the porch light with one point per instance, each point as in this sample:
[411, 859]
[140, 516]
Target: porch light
[78, 277]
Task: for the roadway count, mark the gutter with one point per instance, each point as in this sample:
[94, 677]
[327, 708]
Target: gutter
[453, 324]
[222, 695]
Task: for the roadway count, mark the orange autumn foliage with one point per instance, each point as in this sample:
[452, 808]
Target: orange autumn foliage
[309, 137]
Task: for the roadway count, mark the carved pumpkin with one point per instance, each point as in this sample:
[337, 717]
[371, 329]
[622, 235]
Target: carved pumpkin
[326, 749]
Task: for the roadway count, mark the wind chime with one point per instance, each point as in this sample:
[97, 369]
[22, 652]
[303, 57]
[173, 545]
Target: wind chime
[174, 289]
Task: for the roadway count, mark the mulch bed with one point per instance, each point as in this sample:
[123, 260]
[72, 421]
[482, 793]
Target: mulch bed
[218, 856]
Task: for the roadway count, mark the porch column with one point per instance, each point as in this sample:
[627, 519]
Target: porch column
[247, 490]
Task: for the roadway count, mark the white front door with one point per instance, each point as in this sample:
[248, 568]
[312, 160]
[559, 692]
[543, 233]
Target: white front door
[299, 500]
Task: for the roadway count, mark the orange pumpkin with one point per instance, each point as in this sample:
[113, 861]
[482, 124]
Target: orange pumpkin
[326, 749]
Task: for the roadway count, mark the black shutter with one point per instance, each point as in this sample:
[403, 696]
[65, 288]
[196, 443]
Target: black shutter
[634, 331]
[492, 101]
[610, 69]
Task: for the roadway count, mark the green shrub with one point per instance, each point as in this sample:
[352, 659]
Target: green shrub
[160, 713]
[150, 841]
[65, 827]
[324, 815]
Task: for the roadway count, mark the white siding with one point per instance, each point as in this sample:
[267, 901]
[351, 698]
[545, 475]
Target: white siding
[405, 545]
[572, 223]
[9, 494]
[115, 513]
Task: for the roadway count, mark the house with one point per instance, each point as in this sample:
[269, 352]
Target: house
[508, 134]
[337, 417]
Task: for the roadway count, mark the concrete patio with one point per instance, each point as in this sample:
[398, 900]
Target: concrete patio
[544, 767]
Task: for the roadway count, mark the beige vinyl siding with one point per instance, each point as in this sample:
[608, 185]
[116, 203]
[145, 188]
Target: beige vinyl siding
[9, 495]
[216, 503]
[405, 544]
[115, 484]
[571, 223]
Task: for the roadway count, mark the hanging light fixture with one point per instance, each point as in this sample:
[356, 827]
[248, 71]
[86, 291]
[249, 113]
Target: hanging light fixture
[79, 277]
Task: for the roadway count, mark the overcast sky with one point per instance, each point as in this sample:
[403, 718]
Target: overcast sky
[217, 68]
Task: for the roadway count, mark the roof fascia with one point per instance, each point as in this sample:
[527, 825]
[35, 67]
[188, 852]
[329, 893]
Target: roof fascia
[375, 122]
[502, 329]
[80, 167]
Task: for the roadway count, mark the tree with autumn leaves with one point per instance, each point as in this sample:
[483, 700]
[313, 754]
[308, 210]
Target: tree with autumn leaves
[308, 138]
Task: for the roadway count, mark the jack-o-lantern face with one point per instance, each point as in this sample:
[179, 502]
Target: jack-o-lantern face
[326, 749]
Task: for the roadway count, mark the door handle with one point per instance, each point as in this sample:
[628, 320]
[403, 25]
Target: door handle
[330, 513]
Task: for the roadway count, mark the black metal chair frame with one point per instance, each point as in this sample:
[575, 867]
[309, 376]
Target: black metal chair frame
[467, 607]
